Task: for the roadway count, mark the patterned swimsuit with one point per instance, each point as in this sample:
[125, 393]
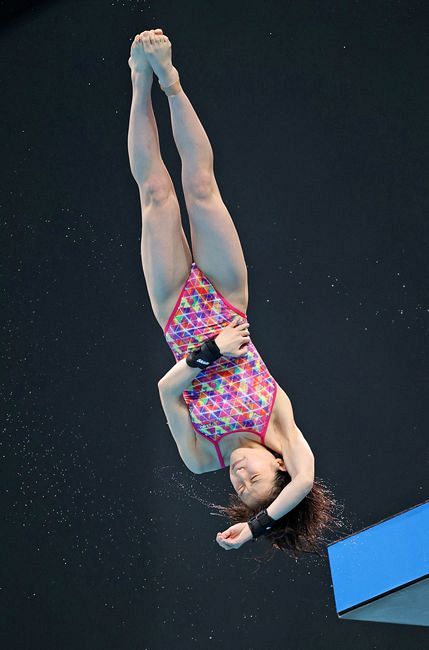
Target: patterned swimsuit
[232, 394]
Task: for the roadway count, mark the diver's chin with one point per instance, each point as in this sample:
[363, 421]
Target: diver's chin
[236, 453]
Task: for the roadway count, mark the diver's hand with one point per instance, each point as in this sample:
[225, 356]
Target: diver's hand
[235, 536]
[233, 340]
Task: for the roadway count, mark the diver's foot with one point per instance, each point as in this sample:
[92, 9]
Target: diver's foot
[138, 61]
[157, 49]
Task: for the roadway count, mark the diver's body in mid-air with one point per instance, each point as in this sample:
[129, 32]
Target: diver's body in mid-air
[233, 412]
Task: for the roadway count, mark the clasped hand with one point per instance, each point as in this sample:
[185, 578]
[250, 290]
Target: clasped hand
[234, 536]
[233, 340]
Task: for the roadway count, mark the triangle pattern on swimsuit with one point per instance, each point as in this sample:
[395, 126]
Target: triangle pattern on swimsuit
[233, 394]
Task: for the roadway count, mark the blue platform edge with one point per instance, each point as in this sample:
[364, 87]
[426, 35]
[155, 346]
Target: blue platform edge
[382, 557]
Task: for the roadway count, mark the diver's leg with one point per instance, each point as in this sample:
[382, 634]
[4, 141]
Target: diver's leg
[165, 253]
[216, 245]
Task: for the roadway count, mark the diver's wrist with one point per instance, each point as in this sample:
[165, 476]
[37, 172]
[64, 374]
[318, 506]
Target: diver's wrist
[216, 340]
[247, 533]
[204, 355]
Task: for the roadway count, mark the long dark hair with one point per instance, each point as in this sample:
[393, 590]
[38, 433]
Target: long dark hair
[304, 529]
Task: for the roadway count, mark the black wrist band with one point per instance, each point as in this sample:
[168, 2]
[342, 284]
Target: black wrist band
[212, 346]
[260, 524]
[203, 355]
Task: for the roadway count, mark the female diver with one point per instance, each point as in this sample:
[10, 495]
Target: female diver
[219, 384]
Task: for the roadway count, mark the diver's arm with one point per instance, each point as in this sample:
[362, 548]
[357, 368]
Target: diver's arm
[300, 463]
[298, 458]
[170, 388]
[289, 497]
[178, 378]
[182, 430]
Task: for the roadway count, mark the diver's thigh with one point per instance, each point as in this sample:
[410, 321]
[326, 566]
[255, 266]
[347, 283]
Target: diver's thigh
[165, 254]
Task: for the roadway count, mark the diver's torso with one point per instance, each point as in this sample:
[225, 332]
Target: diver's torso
[273, 438]
[235, 400]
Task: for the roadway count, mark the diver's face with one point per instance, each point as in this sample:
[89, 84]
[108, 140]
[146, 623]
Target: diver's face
[252, 471]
